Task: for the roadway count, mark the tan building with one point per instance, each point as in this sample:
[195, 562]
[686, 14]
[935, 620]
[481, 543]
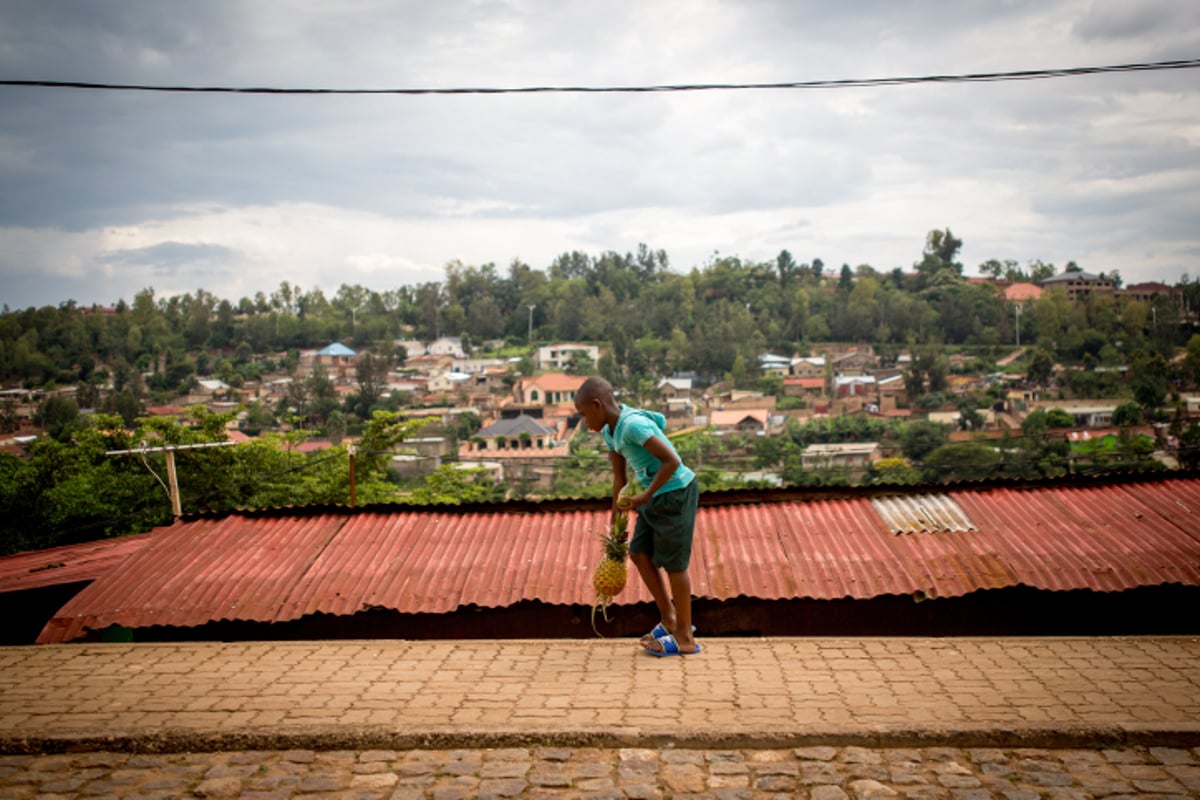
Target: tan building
[1078, 285]
[854, 458]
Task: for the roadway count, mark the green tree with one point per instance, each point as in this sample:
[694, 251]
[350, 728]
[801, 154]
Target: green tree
[1150, 381]
[888, 471]
[9, 421]
[58, 415]
[451, 485]
[920, 437]
[1127, 414]
[1041, 366]
[579, 363]
[1058, 418]
[370, 373]
[123, 403]
[321, 393]
[961, 461]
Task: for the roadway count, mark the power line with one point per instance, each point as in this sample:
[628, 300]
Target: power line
[844, 83]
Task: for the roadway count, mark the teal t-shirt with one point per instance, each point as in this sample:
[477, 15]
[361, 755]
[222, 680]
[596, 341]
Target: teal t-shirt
[635, 426]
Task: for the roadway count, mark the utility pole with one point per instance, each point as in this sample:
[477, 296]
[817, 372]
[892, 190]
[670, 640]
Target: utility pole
[172, 484]
[531, 308]
[1018, 309]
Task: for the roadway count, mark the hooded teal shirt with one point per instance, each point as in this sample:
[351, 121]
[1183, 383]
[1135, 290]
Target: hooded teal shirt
[635, 426]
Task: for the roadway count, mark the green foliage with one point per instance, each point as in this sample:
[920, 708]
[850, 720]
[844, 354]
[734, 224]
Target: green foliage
[1150, 380]
[1127, 414]
[961, 461]
[58, 415]
[831, 430]
[919, 438]
[449, 485]
[888, 471]
[1124, 451]
[1041, 366]
[1058, 418]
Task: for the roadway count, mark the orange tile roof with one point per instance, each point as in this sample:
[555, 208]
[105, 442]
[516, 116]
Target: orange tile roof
[806, 383]
[555, 382]
[735, 416]
[1023, 291]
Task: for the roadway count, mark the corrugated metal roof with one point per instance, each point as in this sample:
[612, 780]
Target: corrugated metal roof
[932, 512]
[288, 564]
[73, 563]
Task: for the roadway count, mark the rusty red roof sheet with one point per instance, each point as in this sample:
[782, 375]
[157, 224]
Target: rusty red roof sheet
[71, 563]
[288, 564]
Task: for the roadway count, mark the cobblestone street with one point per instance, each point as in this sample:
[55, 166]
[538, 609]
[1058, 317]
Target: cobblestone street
[819, 773]
[818, 719]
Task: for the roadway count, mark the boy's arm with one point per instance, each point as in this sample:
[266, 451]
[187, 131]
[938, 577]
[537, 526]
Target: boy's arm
[669, 462]
[619, 477]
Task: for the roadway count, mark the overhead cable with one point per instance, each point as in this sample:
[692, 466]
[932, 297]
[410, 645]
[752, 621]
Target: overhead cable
[846, 83]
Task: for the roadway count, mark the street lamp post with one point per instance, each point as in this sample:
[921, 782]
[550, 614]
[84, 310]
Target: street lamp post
[1018, 308]
[531, 308]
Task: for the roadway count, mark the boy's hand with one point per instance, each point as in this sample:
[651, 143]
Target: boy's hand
[627, 501]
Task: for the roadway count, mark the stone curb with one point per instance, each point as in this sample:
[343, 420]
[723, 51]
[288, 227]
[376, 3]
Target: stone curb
[181, 741]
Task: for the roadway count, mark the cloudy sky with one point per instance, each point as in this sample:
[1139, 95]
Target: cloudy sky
[104, 193]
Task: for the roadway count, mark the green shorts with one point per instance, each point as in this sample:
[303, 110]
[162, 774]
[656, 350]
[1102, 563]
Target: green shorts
[665, 526]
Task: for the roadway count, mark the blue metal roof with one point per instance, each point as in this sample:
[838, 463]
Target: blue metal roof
[336, 349]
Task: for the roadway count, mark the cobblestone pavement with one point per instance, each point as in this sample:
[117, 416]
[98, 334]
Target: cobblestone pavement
[813, 773]
[1037, 692]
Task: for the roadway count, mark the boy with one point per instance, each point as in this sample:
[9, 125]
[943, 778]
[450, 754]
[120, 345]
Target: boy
[662, 538]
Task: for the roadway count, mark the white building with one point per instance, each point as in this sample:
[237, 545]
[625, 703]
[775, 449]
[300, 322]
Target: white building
[558, 356]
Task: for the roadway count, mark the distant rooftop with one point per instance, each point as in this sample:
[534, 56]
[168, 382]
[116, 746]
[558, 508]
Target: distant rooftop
[336, 349]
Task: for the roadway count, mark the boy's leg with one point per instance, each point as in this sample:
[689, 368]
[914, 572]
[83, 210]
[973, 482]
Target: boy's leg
[653, 578]
[681, 592]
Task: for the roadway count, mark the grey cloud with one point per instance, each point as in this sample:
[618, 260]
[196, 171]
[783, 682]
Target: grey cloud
[85, 160]
[1121, 19]
[168, 257]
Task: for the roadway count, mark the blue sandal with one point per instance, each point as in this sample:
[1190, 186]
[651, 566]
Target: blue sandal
[659, 631]
[670, 647]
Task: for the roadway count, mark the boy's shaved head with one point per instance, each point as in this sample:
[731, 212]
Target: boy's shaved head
[594, 388]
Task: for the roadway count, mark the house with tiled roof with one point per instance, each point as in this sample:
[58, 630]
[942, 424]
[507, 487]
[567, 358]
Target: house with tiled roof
[548, 388]
[811, 388]
[518, 433]
[740, 420]
[1022, 292]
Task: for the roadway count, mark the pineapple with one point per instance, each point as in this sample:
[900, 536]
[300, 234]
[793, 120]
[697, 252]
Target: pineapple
[612, 572]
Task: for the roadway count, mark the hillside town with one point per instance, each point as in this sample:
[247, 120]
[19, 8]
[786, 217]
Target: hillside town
[526, 422]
